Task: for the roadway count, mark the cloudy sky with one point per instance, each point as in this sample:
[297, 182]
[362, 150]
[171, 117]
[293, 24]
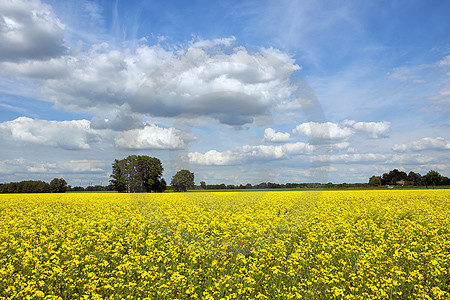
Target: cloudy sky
[235, 91]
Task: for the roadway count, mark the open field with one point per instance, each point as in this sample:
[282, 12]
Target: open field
[386, 244]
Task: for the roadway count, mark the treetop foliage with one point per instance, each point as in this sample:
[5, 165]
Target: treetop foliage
[138, 173]
[182, 181]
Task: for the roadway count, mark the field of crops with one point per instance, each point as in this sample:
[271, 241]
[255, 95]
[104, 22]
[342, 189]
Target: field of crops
[245, 245]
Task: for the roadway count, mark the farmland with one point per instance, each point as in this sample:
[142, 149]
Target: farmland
[250, 245]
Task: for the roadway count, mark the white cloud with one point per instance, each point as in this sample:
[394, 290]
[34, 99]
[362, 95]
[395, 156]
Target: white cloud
[426, 143]
[233, 86]
[99, 80]
[341, 145]
[271, 136]
[79, 135]
[21, 165]
[346, 129]
[37, 69]
[150, 137]
[351, 158]
[29, 30]
[372, 129]
[326, 130]
[72, 135]
[211, 43]
[247, 153]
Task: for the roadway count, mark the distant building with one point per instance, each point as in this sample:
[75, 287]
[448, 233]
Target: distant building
[401, 182]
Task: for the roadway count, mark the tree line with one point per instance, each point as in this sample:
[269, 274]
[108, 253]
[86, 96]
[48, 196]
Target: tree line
[396, 177]
[57, 185]
[142, 173]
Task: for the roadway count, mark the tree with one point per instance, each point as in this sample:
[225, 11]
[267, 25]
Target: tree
[393, 176]
[162, 186]
[58, 185]
[137, 173]
[432, 178]
[415, 178]
[182, 181]
[28, 186]
[118, 177]
[375, 181]
[203, 185]
[149, 170]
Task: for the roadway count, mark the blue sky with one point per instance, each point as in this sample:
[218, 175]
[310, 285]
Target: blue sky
[235, 91]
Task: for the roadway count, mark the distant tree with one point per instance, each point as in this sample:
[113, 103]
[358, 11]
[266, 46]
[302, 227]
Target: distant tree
[203, 185]
[415, 178]
[393, 176]
[137, 173]
[432, 178]
[78, 189]
[445, 181]
[375, 181]
[58, 185]
[182, 181]
[28, 186]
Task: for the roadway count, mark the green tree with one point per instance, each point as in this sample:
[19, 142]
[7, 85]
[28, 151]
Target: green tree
[137, 173]
[375, 181]
[203, 185]
[162, 186]
[415, 178]
[118, 177]
[432, 178]
[393, 176]
[149, 171]
[58, 185]
[182, 181]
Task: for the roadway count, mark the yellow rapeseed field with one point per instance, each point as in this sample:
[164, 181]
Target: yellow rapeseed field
[245, 245]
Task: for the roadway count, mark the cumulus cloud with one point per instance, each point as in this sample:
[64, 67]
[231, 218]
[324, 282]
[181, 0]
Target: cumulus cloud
[79, 135]
[247, 153]
[29, 30]
[98, 80]
[271, 136]
[426, 143]
[232, 85]
[372, 129]
[326, 130]
[150, 137]
[346, 129]
[232, 88]
[71, 135]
